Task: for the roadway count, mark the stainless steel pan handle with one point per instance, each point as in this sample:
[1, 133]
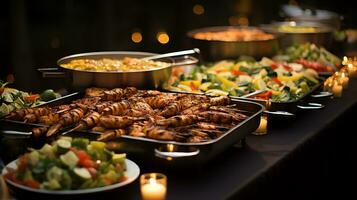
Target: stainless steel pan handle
[322, 95]
[172, 155]
[311, 106]
[10, 132]
[280, 113]
[52, 72]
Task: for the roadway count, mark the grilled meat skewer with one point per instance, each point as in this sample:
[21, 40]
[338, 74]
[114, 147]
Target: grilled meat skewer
[114, 122]
[71, 117]
[179, 120]
[111, 134]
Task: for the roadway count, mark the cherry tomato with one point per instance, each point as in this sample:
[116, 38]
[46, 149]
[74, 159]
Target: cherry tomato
[266, 95]
[287, 67]
[273, 66]
[32, 184]
[23, 163]
[276, 80]
[32, 98]
[193, 86]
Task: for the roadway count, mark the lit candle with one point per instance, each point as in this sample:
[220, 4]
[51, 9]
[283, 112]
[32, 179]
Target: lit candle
[263, 127]
[344, 80]
[352, 70]
[337, 90]
[153, 186]
[328, 84]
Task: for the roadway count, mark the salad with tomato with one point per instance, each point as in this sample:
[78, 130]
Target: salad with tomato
[280, 81]
[311, 56]
[69, 164]
[12, 99]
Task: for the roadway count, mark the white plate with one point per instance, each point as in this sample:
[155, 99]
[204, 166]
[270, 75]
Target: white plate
[132, 173]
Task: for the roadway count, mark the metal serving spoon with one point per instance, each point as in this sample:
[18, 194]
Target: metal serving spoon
[173, 54]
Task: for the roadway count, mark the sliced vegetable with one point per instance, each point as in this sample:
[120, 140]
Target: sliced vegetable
[70, 159]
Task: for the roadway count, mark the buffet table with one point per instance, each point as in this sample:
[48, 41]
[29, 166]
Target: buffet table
[275, 164]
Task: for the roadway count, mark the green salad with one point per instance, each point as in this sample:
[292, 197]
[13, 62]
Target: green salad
[69, 164]
[311, 56]
[12, 99]
[279, 81]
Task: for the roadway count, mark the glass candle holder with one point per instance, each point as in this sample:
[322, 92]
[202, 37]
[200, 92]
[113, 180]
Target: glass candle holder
[153, 186]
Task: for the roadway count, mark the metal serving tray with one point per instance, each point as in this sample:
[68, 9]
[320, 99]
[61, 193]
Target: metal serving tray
[151, 150]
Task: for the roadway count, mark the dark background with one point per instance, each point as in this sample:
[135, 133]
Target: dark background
[37, 33]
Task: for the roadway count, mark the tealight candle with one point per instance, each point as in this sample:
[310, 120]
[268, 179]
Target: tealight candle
[153, 186]
[328, 84]
[263, 126]
[344, 80]
[337, 90]
[352, 70]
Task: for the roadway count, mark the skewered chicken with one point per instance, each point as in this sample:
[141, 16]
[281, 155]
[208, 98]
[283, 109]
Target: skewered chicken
[20, 114]
[111, 134]
[111, 122]
[39, 131]
[160, 134]
[88, 121]
[69, 118]
[195, 109]
[49, 119]
[220, 101]
[94, 92]
[138, 113]
[36, 114]
[179, 120]
[117, 108]
[219, 117]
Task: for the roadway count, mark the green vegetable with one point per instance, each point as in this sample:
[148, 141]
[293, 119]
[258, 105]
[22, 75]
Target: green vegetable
[119, 158]
[52, 184]
[4, 110]
[80, 143]
[54, 173]
[63, 146]
[70, 159]
[48, 95]
[82, 173]
[75, 169]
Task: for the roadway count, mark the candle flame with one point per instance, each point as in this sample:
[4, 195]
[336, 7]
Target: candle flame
[152, 181]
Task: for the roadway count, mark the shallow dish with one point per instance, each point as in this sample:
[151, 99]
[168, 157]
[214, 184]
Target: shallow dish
[132, 173]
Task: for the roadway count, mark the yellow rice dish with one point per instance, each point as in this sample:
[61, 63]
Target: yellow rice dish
[114, 65]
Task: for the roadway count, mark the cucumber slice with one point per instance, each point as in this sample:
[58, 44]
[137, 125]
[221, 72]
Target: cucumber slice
[52, 184]
[70, 159]
[82, 173]
[54, 173]
[66, 138]
[63, 146]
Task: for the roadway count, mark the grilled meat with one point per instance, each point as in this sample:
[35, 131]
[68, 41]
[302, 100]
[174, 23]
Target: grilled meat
[220, 101]
[112, 122]
[219, 117]
[179, 120]
[111, 134]
[117, 108]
